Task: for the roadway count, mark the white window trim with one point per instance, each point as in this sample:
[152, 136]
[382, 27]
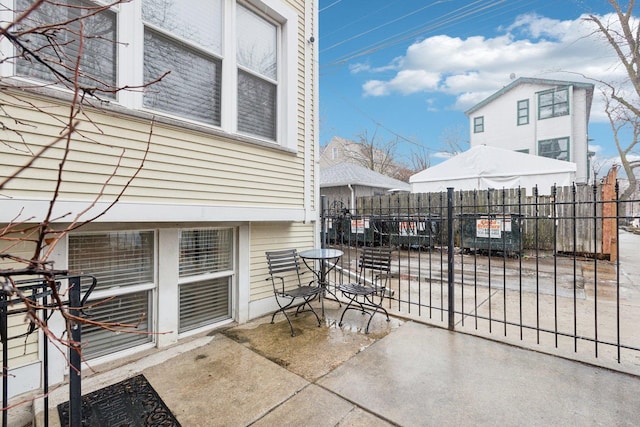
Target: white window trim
[130, 71]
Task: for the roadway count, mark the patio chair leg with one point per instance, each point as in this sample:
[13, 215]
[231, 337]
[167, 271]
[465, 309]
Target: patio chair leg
[283, 311]
[372, 314]
[348, 307]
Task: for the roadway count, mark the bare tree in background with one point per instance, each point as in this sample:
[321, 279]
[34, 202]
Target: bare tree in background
[68, 46]
[373, 154]
[379, 156]
[622, 106]
[452, 139]
[421, 159]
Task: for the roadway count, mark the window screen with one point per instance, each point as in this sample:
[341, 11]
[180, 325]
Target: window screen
[206, 271]
[119, 260]
[191, 89]
[205, 251]
[257, 58]
[59, 46]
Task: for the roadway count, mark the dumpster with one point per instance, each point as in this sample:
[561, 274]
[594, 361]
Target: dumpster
[335, 229]
[492, 232]
[414, 231]
[360, 231]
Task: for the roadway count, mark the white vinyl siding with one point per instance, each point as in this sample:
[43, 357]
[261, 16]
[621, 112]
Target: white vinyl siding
[185, 167]
[124, 265]
[290, 235]
[206, 275]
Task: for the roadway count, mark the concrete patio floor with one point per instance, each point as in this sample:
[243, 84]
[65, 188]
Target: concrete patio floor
[402, 373]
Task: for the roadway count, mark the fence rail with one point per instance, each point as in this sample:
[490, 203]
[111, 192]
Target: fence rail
[534, 270]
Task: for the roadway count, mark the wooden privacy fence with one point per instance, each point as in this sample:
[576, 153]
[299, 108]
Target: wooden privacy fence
[577, 219]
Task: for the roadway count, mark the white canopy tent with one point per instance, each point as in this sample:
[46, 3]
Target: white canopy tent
[483, 167]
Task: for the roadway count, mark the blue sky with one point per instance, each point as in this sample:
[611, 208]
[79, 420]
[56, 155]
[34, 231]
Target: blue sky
[408, 69]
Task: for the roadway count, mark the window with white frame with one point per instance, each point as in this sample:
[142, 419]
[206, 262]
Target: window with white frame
[523, 112]
[221, 63]
[185, 39]
[257, 58]
[478, 124]
[206, 273]
[59, 47]
[123, 263]
[557, 148]
[553, 103]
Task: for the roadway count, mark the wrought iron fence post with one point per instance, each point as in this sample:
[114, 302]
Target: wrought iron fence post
[4, 332]
[450, 255]
[75, 377]
[323, 222]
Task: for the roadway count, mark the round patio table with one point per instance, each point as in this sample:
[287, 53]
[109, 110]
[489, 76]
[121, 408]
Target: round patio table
[325, 256]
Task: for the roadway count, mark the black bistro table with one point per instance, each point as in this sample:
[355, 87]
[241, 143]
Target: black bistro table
[325, 256]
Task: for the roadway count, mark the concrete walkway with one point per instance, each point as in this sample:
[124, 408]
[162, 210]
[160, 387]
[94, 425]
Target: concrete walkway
[410, 375]
[402, 373]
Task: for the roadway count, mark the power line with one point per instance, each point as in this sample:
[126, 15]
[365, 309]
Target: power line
[331, 5]
[362, 18]
[383, 25]
[453, 16]
[375, 121]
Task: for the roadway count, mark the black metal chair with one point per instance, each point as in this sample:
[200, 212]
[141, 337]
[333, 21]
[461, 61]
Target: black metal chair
[367, 293]
[284, 272]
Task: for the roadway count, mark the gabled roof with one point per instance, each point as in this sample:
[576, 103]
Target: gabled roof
[530, 80]
[344, 174]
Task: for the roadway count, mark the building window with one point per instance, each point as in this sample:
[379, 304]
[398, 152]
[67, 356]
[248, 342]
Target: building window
[523, 150]
[123, 263]
[478, 124]
[224, 63]
[554, 148]
[257, 59]
[523, 112]
[60, 48]
[186, 41]
[553, 103]
[206, 273]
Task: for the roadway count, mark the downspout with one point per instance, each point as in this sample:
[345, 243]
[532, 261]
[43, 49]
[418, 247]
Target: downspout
[312, 149]
[352, 205]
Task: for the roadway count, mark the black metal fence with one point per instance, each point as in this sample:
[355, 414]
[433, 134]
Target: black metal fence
[36, 299]
[537, 271]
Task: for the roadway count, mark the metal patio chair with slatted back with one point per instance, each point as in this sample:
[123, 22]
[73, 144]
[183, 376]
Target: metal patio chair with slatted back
[285, 276]
[367, 293]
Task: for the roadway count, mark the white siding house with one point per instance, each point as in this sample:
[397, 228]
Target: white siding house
[547, 118]
[224, 177]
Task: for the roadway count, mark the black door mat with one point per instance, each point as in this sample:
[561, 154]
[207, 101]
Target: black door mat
[129, 403]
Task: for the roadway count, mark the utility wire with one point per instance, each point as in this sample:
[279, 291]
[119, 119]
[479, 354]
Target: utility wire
[331, 5]
[383, 25]
[362, 18]
[451, 17]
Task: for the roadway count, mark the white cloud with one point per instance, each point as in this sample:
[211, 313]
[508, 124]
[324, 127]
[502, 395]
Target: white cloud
[359, 68]
[473, 68]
